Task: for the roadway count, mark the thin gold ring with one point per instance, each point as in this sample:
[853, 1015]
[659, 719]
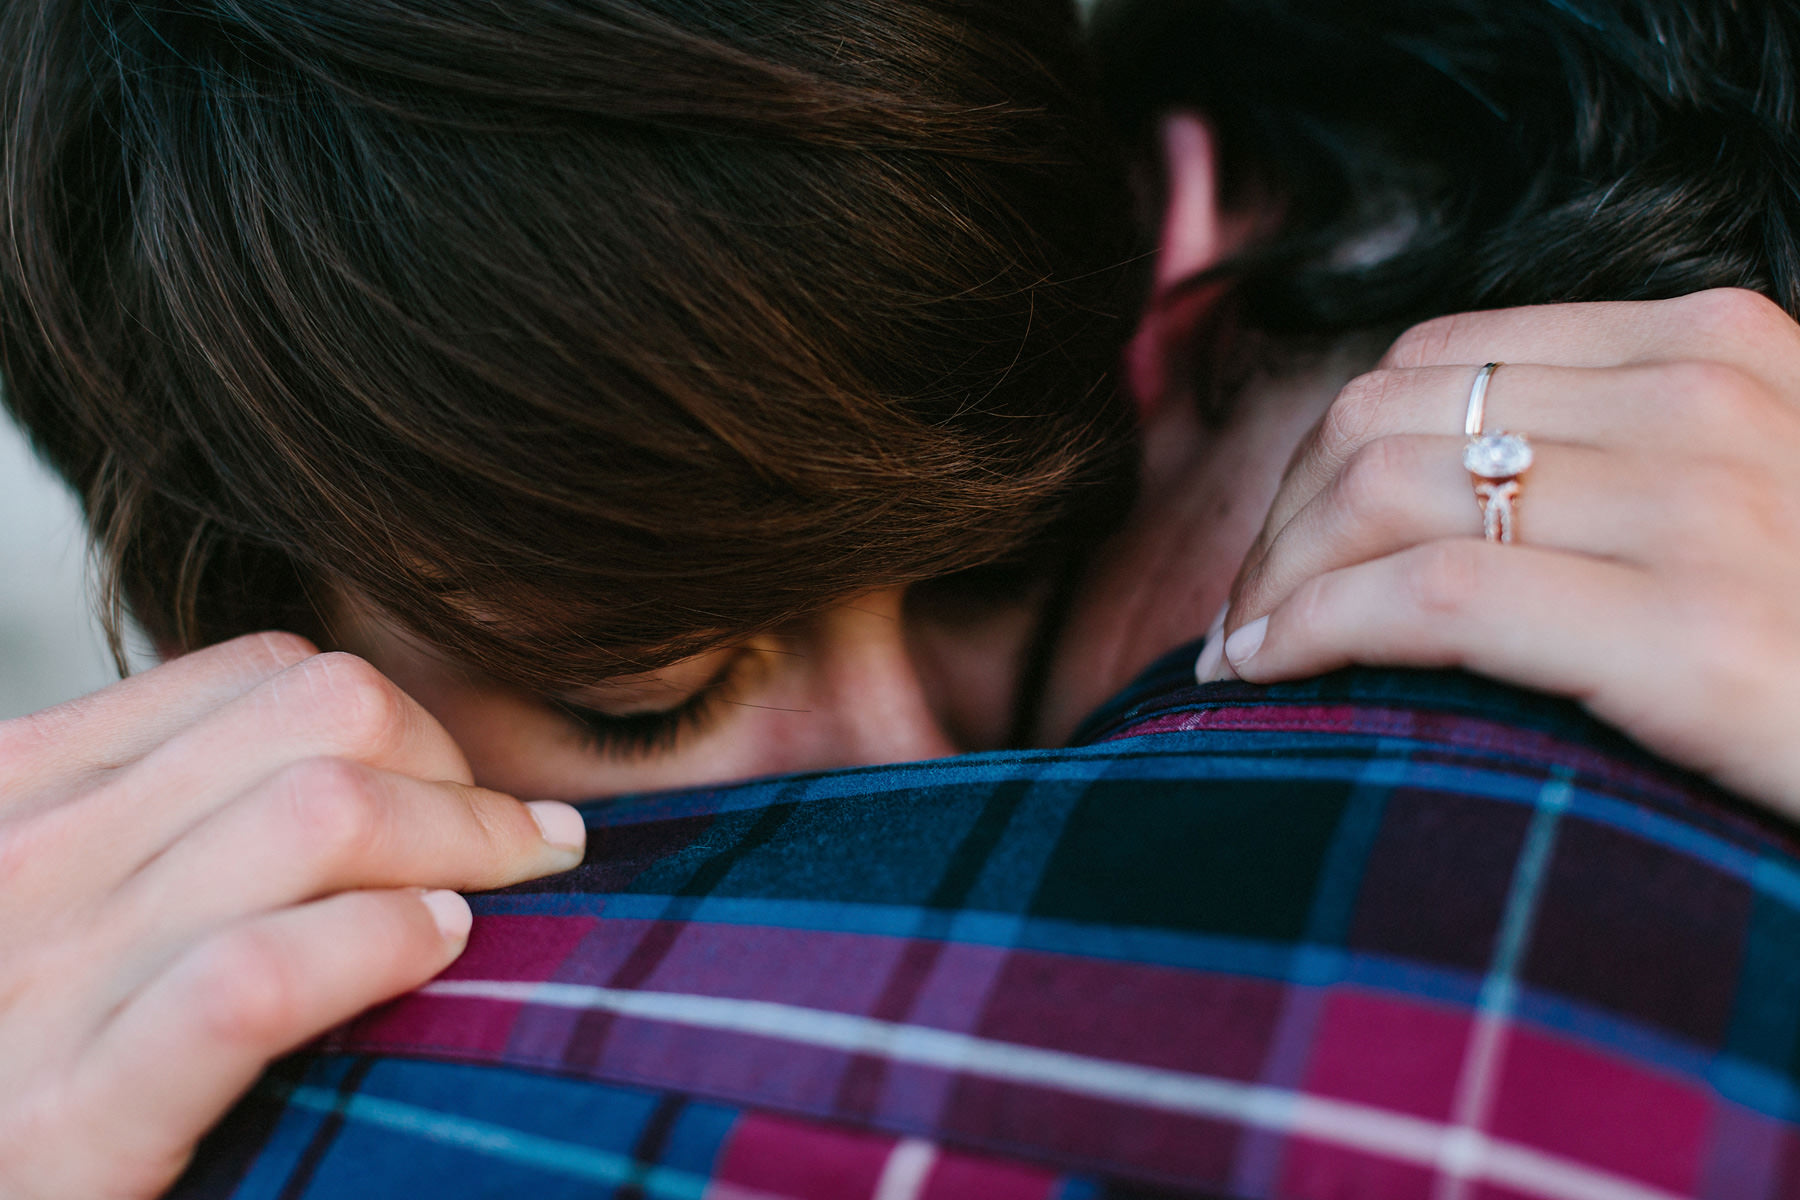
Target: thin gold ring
[1477, 411]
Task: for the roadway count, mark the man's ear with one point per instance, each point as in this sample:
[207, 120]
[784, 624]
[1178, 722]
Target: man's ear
[1195, 234]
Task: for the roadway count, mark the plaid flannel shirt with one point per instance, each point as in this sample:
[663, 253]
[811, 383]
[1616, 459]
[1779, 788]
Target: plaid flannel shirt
[1383, 934]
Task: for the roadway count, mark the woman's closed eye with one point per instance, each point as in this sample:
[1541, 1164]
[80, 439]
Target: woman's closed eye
[843, 687]
[635, 727]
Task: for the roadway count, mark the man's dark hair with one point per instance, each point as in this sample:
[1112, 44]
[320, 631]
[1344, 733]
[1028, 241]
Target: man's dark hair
[1436, 156]
[575, 335]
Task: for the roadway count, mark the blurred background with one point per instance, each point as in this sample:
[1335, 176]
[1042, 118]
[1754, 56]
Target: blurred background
[51, 648]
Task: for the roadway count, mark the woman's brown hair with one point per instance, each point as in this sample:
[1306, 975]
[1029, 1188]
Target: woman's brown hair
[576, 335]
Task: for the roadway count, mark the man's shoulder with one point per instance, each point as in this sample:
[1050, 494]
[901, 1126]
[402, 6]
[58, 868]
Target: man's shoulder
[1341, 931]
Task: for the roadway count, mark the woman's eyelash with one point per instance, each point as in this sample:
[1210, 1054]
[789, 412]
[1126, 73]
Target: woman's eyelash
[639, 735]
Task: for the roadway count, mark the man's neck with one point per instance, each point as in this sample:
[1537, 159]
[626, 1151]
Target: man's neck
[1162, 578]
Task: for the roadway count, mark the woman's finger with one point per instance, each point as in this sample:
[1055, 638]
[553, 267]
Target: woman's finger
[1694, 670]
[324, 826]
[1402, 491]
[1725, 325]
[1693, 408]
[198, 1035]
[1534, 617]
[119, 724]
[329, 706]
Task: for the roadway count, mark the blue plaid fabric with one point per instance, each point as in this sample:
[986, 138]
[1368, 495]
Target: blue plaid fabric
[1382, 934]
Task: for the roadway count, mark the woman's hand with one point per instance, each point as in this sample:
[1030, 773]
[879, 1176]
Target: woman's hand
[1656, 572]
[203, 867]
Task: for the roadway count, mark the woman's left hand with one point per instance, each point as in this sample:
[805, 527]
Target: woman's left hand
[1655, 575]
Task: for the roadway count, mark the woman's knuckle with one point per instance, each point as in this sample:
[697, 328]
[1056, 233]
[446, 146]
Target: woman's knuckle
[245, 993]
[1442, 579]
[1727, 513]
[1767, 516]
[1719, 386]
[1425, 344]
[361, 702]
[329, 806]
[1743, 637]
[1372, 483]
[1740, 624]
[1304, 616]
[1732, 310]
[1353, 416]
[495, 818]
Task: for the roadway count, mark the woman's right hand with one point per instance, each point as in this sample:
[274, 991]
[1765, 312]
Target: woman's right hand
[1658, 557]
[205, 866]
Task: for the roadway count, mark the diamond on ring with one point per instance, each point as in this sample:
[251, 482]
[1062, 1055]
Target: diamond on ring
[1497, 455]
[1496, 460]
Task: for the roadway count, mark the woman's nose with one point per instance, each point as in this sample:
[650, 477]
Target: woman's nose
[872, 684]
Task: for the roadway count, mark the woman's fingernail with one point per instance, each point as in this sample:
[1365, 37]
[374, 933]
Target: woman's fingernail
[1218, 625]
[451, 912]
[1212, 653]
[1241, 646]
[1206, 667]
[560, 824]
